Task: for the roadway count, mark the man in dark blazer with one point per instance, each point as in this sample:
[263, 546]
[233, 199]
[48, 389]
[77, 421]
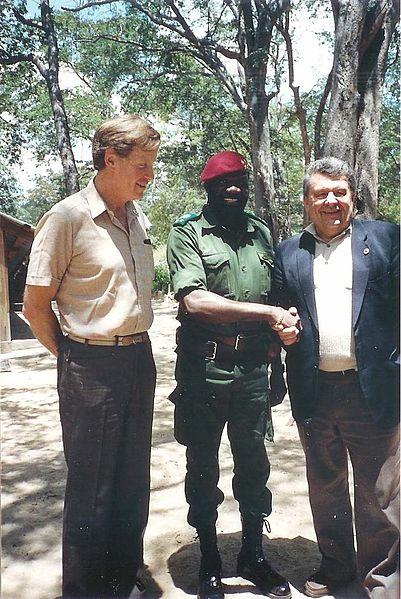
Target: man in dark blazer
[343, 276]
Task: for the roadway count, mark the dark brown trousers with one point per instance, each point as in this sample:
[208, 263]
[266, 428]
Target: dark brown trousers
[343, 427]
[106, 406]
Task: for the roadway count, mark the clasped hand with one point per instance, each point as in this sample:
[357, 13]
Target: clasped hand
[289, 327]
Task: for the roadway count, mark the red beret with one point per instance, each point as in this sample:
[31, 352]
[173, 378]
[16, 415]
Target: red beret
[223, 163]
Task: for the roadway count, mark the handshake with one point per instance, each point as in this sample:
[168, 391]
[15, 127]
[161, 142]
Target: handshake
[287, 325]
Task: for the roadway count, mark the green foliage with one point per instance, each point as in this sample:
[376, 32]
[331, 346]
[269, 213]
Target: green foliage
[23, 97]
[162, 278]
[123, 61]
[168, 204]
[389, 164]
[48, 189]
[389, 141]
[288, 165]
[9, 189]
[203, 126]
[14, 85]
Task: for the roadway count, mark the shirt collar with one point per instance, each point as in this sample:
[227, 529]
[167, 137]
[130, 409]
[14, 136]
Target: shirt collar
[312, 230]
[96, 203]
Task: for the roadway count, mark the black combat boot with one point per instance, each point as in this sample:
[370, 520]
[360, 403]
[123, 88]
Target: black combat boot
[210, 586]
[253, 565]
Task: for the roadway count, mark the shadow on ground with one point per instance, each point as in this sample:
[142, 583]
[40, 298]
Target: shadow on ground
[286, 555]
[34, 478]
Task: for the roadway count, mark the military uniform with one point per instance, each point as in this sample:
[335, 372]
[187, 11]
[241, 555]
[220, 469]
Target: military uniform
[218, 383]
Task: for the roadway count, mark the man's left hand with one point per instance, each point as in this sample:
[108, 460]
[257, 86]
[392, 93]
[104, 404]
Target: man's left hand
[289, 336]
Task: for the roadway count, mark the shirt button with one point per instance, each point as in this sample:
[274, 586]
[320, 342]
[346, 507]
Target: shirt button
[246, 293]
[243, 268]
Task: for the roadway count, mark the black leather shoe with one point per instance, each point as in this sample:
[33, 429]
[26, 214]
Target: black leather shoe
[259, 571]
[210, 586]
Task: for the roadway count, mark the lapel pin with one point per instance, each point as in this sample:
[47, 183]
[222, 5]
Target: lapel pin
[366, 251]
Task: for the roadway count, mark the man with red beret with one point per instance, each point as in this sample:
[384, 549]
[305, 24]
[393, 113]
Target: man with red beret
[220, 265]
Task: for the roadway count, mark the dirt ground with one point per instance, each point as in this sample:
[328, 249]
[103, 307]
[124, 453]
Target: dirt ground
[34, 477]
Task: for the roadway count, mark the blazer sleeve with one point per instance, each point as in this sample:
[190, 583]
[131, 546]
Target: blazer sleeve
[395, 282]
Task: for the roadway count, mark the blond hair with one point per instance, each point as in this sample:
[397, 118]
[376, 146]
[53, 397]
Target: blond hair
[123, 134]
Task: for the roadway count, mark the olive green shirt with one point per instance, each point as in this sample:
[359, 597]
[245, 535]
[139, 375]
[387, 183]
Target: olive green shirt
[203, 254]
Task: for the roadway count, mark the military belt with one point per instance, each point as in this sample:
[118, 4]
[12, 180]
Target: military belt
[226, 347]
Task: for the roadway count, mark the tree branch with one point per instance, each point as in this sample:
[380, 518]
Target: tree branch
[319, 115]
[88, 5]
[202, 50]
[375, 22]
[6, 59]
[233, 7]
[162, 20]
[300, 111]
[277, 77]
[227, 52]
[335, 7]
[246, 10]
[117, 40]
[29, 22]
[186, 29]
[79, 75]
[43, 70]
[264, 29]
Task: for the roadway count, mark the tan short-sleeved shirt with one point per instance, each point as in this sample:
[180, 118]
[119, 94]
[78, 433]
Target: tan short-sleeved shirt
[104, 275]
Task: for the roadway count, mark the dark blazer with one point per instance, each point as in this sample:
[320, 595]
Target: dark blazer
[375, 317]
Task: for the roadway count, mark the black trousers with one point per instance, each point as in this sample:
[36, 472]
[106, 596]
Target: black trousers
[106, 407]
[209, 395]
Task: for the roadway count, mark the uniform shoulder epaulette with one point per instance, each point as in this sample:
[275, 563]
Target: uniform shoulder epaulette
[186, 218]
[258, 218]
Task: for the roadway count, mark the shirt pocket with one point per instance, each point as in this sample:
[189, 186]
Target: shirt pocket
[149, 261]
[266, 266]
[144, 263]
[217, 269]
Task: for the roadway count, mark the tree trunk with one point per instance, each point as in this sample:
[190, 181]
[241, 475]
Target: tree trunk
[257, 35]
[282, 199]
[70, 172]
[263, 165]
[343, 108]
[299, 109]
[372, 71]
[363, 35]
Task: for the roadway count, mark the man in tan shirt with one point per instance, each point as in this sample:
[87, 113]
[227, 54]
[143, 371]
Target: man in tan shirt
[92, 255]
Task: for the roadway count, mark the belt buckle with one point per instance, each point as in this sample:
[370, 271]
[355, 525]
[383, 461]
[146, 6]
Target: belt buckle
[127, 340]
[214, 346]
[237, 341]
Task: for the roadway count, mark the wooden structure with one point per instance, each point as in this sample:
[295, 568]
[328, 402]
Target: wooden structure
[15, 243]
